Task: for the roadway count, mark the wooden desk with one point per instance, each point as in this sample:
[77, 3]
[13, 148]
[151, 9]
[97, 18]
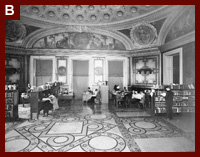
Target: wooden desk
[36, 100]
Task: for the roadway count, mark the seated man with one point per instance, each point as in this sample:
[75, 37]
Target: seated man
[48, 103]
[97, 100]
[45, 105]
[92, 100]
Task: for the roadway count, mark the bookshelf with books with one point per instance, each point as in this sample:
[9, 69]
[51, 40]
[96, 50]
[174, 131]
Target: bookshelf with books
[183, 100]
[11, 103]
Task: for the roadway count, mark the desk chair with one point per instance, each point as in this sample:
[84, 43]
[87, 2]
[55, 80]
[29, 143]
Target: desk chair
[120, 100]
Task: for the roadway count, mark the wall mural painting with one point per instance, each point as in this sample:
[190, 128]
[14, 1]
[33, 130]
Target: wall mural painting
[76, 40]
[15, 31]
[184, 25]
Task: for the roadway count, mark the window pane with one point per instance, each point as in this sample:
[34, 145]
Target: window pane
[98, 70]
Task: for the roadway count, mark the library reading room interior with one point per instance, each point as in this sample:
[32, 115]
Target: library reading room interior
[100, 78]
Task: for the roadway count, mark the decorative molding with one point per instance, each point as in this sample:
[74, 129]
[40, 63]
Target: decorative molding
[93, 53]
[17, 51]
[190, 37]
[145, 52]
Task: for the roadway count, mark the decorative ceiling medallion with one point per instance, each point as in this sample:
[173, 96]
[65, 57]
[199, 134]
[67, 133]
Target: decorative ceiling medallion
[66, 6]
[106, 16]
[133, 10]
[91, 7]
[120, 13]
[93, 17]
[51, 13]
[14, 31]
[78, 7]
[103, 7]
[143, 34]
[66, 16]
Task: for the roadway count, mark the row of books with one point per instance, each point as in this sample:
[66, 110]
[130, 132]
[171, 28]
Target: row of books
[184, 92]
[8, 94]
[181, 104]
[175, 110]
[175, 86]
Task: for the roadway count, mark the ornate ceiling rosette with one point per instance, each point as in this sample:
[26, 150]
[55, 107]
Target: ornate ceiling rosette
[14, 31]
[143, 34]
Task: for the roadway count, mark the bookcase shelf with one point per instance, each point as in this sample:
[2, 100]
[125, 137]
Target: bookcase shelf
[183, 101]
[11, 103]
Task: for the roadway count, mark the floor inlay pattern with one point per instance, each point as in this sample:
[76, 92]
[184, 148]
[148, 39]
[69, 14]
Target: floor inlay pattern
[91, 133]
[84, 131]
[149, 127]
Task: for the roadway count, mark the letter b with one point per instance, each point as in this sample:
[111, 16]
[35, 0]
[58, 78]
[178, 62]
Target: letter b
[9, 10]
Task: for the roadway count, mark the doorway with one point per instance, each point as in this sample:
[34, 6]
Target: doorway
[173, 67]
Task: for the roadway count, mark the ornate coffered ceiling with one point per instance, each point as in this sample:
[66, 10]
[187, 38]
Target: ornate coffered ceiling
[87, 14]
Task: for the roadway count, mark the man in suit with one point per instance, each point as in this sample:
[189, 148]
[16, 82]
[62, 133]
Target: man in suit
[169, 102]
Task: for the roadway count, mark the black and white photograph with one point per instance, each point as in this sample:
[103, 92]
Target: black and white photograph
[100, 78]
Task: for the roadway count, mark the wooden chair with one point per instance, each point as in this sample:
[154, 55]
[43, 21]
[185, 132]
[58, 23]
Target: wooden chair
[120, 100]
[127, 100]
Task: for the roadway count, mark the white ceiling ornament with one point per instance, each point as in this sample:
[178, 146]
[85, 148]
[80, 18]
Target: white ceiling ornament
[143, 34]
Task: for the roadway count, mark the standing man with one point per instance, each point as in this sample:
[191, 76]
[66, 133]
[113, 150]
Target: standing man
[169, 102]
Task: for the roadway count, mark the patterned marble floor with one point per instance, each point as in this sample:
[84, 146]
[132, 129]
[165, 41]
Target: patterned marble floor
[90, 130]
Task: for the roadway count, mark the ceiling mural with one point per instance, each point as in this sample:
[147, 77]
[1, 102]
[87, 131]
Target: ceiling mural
[143, 34]
[78, 40]
[183, 25]
[15, 31]
[86, 14]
